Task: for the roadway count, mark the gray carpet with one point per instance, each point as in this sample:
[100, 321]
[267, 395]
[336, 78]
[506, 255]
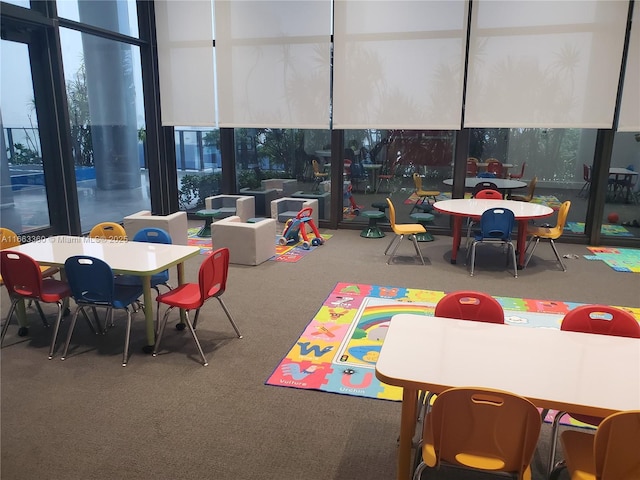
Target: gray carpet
[170, 418]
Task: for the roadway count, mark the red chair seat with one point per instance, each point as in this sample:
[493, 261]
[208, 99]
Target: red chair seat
[54, 290]
[185, 296]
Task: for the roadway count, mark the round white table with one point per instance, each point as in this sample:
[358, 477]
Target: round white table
[462, 207]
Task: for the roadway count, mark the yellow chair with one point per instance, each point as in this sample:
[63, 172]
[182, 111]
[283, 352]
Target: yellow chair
[423, 194]
[400, 230]
[530, 191]
[318, 176]
[613, 453]
[480, 429]
[549, 233]
[109, 231]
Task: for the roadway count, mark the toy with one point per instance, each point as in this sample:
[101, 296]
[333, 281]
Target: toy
[613, 217]
[350, 205]
[297, 226]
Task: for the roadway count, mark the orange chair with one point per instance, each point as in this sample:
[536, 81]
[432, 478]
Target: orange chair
[530, 191]
[423, 194]
[23, 278]
[518, 176]
[400, 230]
[611, 454]
[212, 282]
[470, 305]
[547, 232]
[480, 429]
[599, 320]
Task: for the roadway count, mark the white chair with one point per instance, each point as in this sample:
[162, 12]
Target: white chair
[241, 205]
[248, 243]
[175, 224]
[285, 186]
[287, 208]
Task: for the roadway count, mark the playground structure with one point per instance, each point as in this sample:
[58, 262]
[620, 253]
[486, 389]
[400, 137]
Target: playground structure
[297, 227]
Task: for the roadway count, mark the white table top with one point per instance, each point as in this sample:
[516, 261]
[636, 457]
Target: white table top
[485, 164]
[135, 258]
[474, 207]
[501, 183]
[553, 368]
[621, 171]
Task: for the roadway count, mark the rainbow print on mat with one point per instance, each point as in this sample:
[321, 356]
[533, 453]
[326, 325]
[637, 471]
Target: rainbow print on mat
[338, 349]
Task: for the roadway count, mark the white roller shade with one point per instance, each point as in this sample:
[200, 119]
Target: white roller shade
[273, 63]
[629, 118]
[544, 63]
[399, 64]
[185, 62]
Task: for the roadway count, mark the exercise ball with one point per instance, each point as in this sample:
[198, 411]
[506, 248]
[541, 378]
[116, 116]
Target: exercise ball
[613, 217]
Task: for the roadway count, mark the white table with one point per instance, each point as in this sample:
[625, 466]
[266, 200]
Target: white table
[552, 368]
[622, 180]
[502, 183]
[132, 258]
[462, 207]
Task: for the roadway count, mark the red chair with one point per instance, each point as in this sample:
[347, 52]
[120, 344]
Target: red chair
[472, 168]
[599, 320]
[470, 305]
[495, 167]
[586, 176]
[518, 176]
[23, 278]
[212, 282]
[489, 194]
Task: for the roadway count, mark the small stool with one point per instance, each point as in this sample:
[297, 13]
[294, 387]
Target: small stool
[208, 216]
[382, 206]
[423, 219]
[372, 230]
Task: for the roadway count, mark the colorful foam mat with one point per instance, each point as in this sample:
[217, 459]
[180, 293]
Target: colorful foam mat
[620, 259]
[338, 349]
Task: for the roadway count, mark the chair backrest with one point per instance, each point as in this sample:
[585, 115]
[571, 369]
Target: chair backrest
[417, 181]
[586, 172]
[616, 447]
[472, 168]
[152, 235]
[489, 194]
[357, 170]
[108, 231]
[90, 279]
[316, 167]
[472, 160]
[563, 213]
[21, 274]
[497, 223]
[601, 319]
[495, 167]
[392, 213]
[212, 276]
[484, 429]
[485, 185]
[470, 305]
[8, 239]
[521, 174]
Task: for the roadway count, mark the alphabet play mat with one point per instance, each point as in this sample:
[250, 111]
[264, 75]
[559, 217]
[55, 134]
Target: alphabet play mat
[338, 349]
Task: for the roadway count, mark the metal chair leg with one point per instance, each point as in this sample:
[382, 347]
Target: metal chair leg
[555, 250]
[195, 339]
[226, 310]
[156, 347]
[415, 245]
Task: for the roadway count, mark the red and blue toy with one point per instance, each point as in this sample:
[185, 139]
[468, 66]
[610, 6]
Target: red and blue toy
[296, 227]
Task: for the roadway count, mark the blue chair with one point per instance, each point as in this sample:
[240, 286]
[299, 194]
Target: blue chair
[495, 227]
[92, 285]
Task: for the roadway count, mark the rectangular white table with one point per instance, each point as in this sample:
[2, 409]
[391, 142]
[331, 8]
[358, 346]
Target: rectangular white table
[132, 258]
[554, 369]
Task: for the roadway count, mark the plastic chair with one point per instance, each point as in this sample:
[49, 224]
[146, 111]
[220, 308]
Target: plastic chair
[531, 188]
[518, 176]
[109, 231]
[387, 174]
[546, 232]
[92, 285]
[599, 320]
[400, 230]
[480, 429]
[318, 176]
[23, 278]
[470, 305]
[423, 194]
[610, 454]
[495, 167]
[495, 226]
[472, 168]
[484, 185]
[489, 192]
[212, 283]
[586, 176]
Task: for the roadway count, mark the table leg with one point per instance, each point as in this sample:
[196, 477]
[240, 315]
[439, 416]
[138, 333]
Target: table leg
[457, 232]
[407, 430]
[148, 313]
[522, 242]
[21, 313]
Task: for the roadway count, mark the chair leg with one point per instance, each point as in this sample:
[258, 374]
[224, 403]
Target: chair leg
[195, 339]
[226, 310]
[127, 335]
[71, 327]
[42, 317]
[554, 441]
[393, 239]
[537, 239]
[393, 253]
[514, 259]
[473, 257]
[5, 327]
[555, 250]
[56, 327]
[156, 347]
[415, 245]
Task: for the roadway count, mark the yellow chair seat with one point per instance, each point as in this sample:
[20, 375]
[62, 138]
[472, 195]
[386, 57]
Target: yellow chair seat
[408, 229]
